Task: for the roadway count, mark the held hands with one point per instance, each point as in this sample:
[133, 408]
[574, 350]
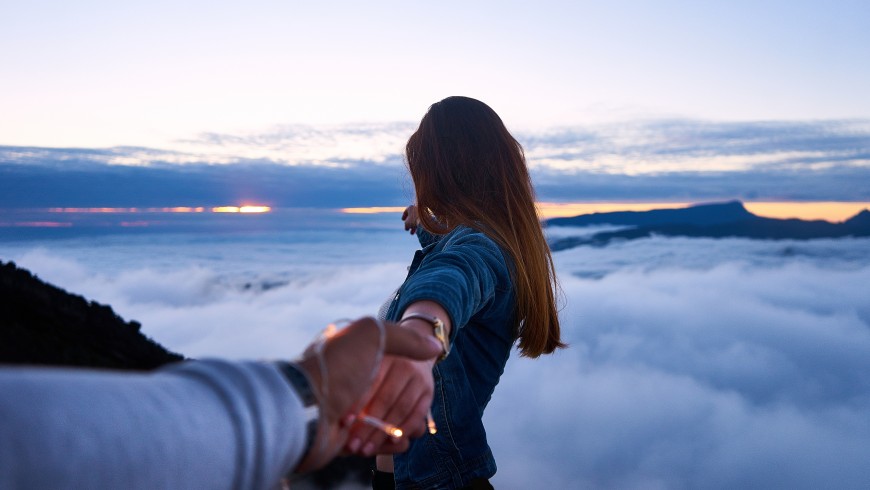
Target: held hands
[350, 357]
[402, 394]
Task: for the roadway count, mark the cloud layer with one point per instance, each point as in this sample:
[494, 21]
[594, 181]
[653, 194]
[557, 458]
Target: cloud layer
[692, 363]
[730, 377]
[361, 165]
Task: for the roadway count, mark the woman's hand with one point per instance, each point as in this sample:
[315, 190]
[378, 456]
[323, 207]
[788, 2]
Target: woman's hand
[402, 398]
[411, 218]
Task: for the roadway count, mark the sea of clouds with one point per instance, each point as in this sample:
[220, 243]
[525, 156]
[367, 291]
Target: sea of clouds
[691, 363]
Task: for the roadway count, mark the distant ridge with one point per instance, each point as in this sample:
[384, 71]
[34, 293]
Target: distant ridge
[716, 220]
[699, 214]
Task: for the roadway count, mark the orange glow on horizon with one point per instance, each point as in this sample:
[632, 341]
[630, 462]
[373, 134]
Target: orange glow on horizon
[548, 210]
[37, 224]
[826, 210]
[182, 209]
[829, 211]
[241, 209]
[822, 210]
[178, 209]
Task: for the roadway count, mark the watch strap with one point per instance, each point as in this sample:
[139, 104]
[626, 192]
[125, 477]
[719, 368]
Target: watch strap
[300, 383]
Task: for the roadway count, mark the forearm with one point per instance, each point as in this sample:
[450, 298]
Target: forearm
[429, 309]
[206, 424]
[461, 273]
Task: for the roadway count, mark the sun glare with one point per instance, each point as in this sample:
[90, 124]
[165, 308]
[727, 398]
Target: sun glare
[241, 209]
[254, 209]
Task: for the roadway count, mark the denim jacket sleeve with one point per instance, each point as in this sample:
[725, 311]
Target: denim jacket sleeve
[460, 273]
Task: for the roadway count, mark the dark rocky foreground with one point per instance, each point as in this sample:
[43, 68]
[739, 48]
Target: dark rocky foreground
[41, 324]
[720, 220]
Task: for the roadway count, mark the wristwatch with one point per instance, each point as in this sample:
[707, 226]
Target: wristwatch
[438, 329]
[311, 410]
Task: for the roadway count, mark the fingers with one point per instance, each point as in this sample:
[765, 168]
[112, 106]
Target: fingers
[395, 416]
[402, 399]
[392, 388]
[409, 216]
[411, 343]
[409, 412]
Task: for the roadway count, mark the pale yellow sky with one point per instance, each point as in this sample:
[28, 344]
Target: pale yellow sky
[94, 73]
[829, 211]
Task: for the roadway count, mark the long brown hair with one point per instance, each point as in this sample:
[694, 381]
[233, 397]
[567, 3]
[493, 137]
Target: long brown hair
[468, 169]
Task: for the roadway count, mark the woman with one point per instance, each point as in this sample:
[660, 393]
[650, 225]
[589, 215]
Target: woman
[485, 273]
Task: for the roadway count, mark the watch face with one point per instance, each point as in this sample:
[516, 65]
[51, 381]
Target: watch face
[437, 330]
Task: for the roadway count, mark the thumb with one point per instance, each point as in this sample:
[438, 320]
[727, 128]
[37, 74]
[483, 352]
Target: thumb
[411, 343]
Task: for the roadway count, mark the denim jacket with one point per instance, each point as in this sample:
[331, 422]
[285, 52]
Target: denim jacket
[468, 274]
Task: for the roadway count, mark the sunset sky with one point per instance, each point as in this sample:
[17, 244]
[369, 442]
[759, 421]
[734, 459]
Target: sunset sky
[102, 73]
[614, 102]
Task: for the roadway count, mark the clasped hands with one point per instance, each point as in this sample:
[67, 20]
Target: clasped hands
[396, 388]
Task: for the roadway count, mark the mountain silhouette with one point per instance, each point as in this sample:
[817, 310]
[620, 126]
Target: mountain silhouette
[717, 220]
[41, 324]
[701, 214]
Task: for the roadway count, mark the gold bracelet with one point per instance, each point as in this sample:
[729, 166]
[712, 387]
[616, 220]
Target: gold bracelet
[438, 329]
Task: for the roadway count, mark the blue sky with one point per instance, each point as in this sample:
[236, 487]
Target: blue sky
[303, 101]
[100, 73]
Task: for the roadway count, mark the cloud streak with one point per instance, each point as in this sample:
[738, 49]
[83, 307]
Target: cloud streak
[361, 165]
